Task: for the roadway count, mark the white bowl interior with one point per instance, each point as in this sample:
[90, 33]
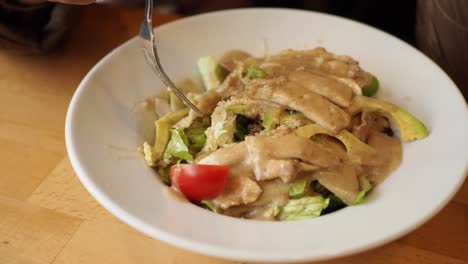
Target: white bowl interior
[103, 133]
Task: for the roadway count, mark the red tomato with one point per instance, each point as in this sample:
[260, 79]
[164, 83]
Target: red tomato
[199, 182]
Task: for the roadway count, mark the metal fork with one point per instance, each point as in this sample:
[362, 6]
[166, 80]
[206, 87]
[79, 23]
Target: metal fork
[151, 55]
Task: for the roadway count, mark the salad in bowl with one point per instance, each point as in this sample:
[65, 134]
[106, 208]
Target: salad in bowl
[288, 136]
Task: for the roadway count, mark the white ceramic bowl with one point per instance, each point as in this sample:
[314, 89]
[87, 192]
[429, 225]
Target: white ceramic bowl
[432, 170]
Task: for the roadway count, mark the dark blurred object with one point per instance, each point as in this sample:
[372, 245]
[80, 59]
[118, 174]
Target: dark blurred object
[441, 25]
[442, 33]
[32, 28]
[394, 16]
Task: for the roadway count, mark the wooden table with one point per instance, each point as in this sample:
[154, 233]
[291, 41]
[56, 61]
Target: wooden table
[46, 216]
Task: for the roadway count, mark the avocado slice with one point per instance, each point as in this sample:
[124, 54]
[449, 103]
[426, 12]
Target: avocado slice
[358, 151]
[211, 72]
[372, 88]
[410, 127]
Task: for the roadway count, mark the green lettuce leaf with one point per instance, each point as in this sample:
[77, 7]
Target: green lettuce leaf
[254, 72]
[178, 147]
[271, 118]
[221, 131]
[196, 137]
[303, 208]
[298, 188]
[154, 153]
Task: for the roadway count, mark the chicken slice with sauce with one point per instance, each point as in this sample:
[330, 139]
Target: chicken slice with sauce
[320, 84]
[297, 97]
[260, 158]
[239, 190]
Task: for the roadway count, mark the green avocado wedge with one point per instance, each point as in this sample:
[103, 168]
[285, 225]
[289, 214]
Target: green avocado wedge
[410, 127]
[358, 151]
[372, 88]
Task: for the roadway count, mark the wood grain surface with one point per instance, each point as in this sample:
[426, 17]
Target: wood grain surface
[46, 216]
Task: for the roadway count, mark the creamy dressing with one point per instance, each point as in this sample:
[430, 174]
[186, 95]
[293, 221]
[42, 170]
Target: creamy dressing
[390, 154]
[298, 97]
[232, 57]
[329, 88]
[341, 180]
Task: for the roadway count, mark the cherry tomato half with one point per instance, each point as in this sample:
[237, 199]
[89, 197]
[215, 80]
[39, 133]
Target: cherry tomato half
[198, 181]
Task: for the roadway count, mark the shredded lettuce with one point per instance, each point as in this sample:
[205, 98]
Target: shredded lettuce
[271, 118]
[298, 188]
[275, 210]
[272, 212]
[254, 72]
[221, 131]
[223, 128]
[303, 208]
[177, 147]
[154, 153]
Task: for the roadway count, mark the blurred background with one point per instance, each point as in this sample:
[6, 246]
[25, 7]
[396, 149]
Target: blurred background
[439, 28]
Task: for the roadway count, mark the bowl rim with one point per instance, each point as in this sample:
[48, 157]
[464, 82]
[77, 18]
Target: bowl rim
[206, 248]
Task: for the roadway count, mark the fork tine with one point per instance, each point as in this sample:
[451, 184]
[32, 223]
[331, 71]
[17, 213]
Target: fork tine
[151, 55]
